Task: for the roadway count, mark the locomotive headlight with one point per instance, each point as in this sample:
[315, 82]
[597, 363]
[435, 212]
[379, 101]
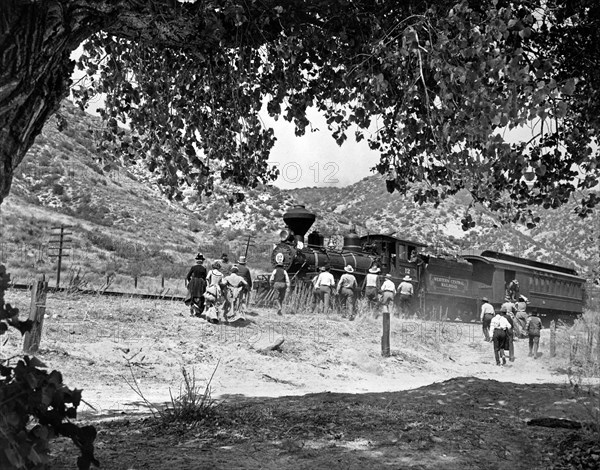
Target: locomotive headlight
[283, 235]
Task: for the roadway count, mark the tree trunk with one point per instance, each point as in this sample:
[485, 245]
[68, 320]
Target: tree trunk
[36, 40]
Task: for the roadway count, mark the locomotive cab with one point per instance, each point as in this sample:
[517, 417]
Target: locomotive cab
[397, 257]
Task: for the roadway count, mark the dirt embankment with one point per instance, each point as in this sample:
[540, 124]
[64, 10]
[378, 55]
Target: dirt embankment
[439, 401]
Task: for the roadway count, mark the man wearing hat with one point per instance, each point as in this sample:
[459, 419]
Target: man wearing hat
[325, 284]
[388, 292]
[405, 291]
[244, 271]
[371, 286]
[280, 282]
[346, 289]
[196, 285]
[487, 313]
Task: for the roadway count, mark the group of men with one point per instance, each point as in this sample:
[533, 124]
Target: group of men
[325, 288]
[221, 292]
[512, 321]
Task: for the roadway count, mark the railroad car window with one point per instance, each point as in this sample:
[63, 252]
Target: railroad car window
[402, 252]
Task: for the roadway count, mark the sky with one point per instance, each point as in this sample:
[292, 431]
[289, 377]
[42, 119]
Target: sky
[315, 159]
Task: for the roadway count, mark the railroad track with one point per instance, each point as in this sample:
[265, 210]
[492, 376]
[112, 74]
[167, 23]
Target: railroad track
[102, 292]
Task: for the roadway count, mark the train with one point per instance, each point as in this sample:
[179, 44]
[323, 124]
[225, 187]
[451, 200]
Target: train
[446, 287]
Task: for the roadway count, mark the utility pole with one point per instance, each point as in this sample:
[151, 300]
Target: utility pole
[248, 245]
[58, 243]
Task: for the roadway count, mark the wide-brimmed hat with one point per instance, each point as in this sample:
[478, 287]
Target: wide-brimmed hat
[374, 270]
[485, 299]
[406, 278]
[242, 260]
[199, 256]
[349, 269]
[388, 276]
[217, 265]
[234, 269]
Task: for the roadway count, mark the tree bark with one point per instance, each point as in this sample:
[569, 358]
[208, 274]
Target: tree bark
[36, 40]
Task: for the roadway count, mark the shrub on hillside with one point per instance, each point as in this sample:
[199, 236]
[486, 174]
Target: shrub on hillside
[66, 146]
[58, 189]
[44, 158]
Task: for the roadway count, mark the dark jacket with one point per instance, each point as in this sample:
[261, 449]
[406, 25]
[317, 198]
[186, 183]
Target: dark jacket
[196, 271]
[533, 326]
[245, 273]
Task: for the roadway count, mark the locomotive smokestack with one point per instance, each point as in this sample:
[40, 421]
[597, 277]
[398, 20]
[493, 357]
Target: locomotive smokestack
[299, 220]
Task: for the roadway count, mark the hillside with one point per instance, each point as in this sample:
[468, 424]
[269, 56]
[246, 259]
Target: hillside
[123, 227]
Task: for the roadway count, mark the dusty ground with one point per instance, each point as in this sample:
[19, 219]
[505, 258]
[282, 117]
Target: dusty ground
[326, 400]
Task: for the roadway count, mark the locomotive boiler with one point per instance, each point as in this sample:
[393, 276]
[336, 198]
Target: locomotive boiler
[302, 258]
[446, 287]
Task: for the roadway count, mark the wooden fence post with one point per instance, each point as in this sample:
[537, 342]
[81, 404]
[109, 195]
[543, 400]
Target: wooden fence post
[31, 341]
[552, 338]
[598, 346]
[385, 338]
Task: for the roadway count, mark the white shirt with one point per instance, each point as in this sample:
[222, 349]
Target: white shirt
[347, 280]
[487, 308]
[372, 280]
[388, 285]
[325, 279]
[406, 287]
[499, 322]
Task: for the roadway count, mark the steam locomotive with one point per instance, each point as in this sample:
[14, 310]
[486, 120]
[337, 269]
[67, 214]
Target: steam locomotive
[445, 287]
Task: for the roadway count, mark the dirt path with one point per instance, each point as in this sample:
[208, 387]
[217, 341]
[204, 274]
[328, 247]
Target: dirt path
[438, 402]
